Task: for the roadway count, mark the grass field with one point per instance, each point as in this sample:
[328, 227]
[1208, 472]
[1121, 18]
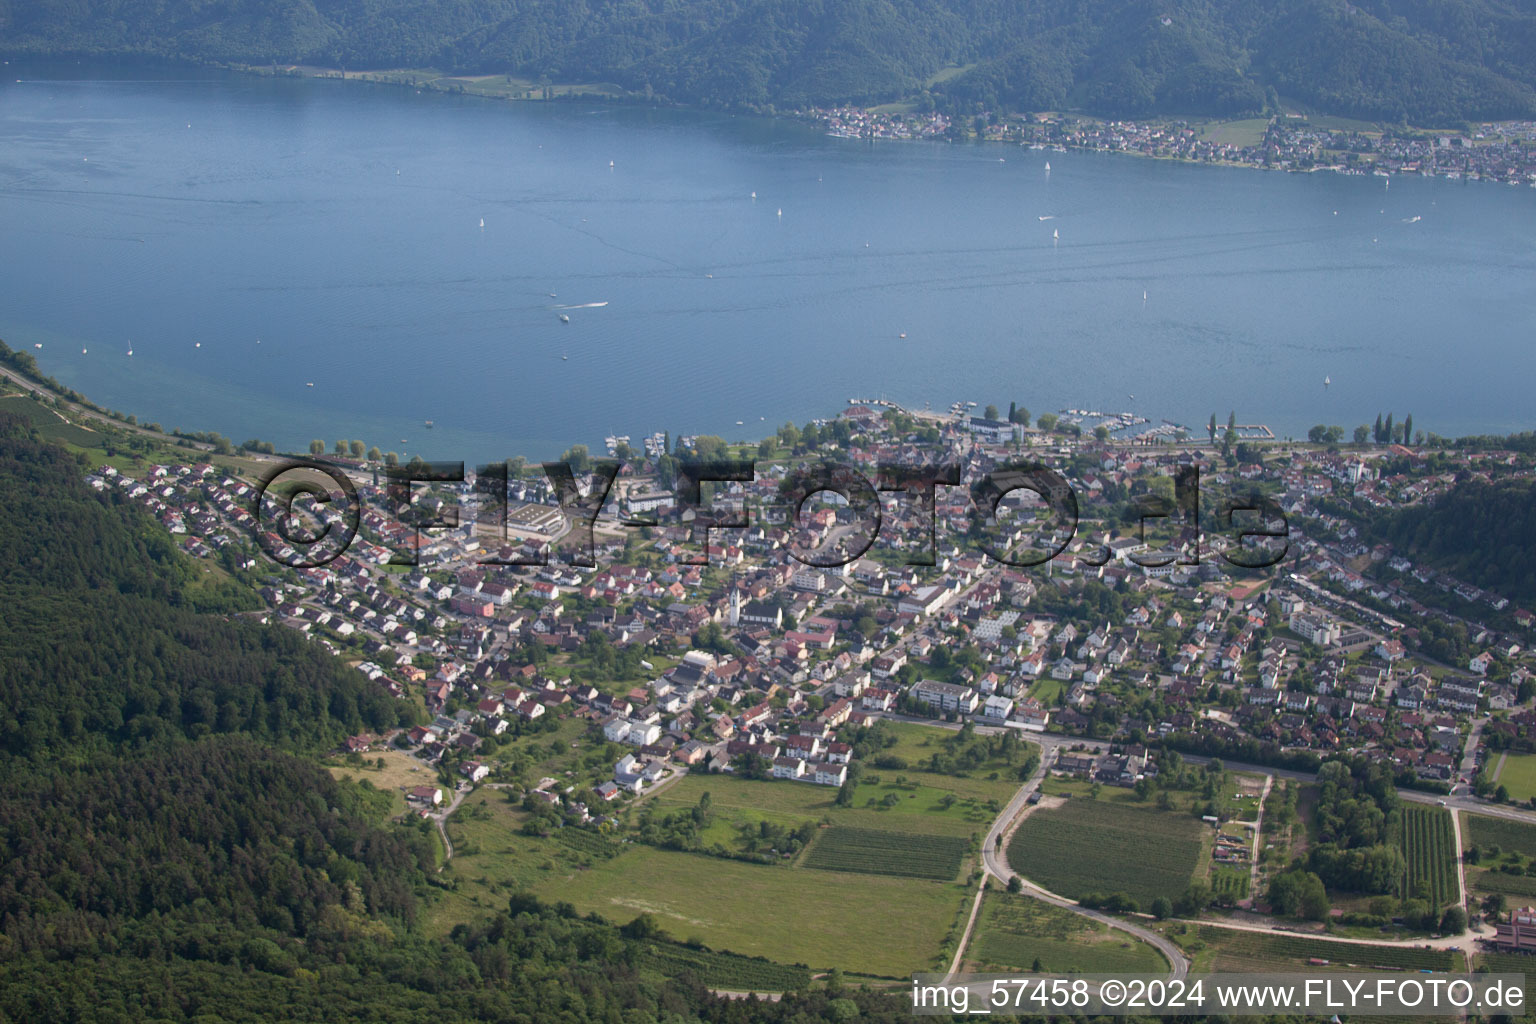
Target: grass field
[862, 923]
[1096, 846]
[1246, 132]
[869, 924]
[875, 851]
[1223, 949]
[1014, 931]
[1519, 775]
[48, 423]
[1429, 846]
[917, 809]
[1046, 690]
[400, 772]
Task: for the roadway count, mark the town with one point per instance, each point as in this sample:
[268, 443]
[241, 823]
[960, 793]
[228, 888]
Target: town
[1498, 151]
[870, 718]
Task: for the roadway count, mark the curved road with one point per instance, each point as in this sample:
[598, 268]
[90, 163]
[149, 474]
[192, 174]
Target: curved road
[995, 863]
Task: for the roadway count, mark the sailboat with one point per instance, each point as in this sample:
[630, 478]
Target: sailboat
[130, 351]
[564, 319]
[1055, 234]
[1047, 167]
[1327, 381]
[781, 211]
[482, 223]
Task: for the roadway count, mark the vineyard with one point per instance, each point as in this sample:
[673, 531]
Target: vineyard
[1240, 951]
[722, 970]
[588, 842]
[1229, 885]
[1428, 842]
[1091, 846]
[879, 852]
[1511, 963]
[1509, 836]
[1523, 886]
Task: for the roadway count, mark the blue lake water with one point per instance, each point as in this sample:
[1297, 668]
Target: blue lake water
[187, 216]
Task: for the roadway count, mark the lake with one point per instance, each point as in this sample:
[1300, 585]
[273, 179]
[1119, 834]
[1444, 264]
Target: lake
[248, 237]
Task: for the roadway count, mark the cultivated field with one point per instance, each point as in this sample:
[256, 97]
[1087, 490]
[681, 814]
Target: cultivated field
[883, 852]
[1229, 884]
[1429, 845]
[869, 924]
[1015, 931]
[1519, 775]
[729, 971]
[1222, 949]
[1094, 846]
[1509, 836]
[918, 807]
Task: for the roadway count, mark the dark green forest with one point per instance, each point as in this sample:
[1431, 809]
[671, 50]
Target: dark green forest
[1479, 532]
[1427, 62]
[170, 851]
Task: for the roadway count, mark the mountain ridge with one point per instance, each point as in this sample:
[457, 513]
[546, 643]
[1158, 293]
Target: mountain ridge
[1428, 62]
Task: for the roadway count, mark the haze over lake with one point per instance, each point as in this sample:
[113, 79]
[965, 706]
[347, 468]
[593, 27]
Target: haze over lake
[187, 216]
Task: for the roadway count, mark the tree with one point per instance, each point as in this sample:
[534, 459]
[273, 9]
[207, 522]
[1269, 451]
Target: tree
[1386, 430]
[1299, 893]
[373, 454]
[1361, 433]
[578, 457]
[1334, 434]
[1101, 433]
[1453, 921]
[990, 412]
[1014, 885]
[391, 459]
[341, 448]
[1046, 421]
[357, 448]
[1013, 410]
[1376, 434]
[1317, 434]
[1162, 908]
[317, 447]
[1020, 416]
[1408, 429]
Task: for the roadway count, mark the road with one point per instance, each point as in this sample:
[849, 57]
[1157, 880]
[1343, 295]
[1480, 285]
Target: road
[995, 863]
[440, 818]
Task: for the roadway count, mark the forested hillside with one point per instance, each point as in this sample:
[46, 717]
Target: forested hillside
[1426, 61]
[1480, 533]
[98, 655]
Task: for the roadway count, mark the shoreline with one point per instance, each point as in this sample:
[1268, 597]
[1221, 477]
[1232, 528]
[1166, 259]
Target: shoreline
[898, 126]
